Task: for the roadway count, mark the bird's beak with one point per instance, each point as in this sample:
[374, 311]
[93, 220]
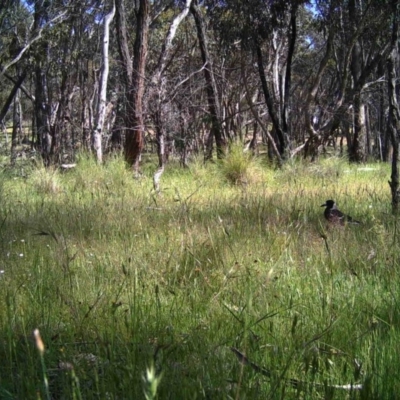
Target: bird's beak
[323, 205]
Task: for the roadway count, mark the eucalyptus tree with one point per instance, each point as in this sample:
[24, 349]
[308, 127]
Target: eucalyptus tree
[393, 125]
[151, 82]
[14, 36]
[133, 70]
[369, 26]
[43, 99]
[214, 106]
[57, 50]
[356, 43]
[268, 32]
[32, 26]
[102, 98]
[14, 16]
[158, 92]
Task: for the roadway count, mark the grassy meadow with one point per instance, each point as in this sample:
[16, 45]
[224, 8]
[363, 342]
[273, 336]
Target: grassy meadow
[138, 295]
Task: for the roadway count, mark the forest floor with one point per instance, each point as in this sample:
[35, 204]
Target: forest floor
[135, 293]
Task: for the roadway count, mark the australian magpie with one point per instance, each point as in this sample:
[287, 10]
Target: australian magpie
[335, 216]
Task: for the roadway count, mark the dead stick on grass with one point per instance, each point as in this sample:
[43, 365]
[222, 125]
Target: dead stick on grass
[293, 382]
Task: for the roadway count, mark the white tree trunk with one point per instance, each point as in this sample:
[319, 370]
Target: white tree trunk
[101, 106]
[159, 83]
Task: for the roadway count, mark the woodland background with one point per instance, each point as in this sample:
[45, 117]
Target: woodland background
[179, 76]
[231, 284]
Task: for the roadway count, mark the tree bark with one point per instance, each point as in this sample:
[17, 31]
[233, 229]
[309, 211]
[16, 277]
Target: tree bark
[123, 43]
[159, 94]
[42, 106]
[292, 36]
[256, 116]
[214, 107]
[97, 133]
[134, 139]
[16, 130]
[313, 142]
[124, 111]
[11, 96]
[357, 145]
[282, 143]
[394, 110]
[356, 148]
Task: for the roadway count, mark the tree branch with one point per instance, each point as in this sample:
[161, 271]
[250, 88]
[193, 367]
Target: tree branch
[58, 19]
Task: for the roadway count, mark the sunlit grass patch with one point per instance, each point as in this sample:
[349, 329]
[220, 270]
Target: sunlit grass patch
[114, 273]
[45, 181]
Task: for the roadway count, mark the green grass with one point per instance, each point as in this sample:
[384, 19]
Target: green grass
[137, 295]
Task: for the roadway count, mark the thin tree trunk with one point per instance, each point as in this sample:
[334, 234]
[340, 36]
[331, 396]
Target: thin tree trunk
[159, 96]
[281, 145]
[97, 133]
[368, 141]
[214, 107]
[394, 110]
[356, 149]
[312, 143]
[11, 96]
[384, 138]
[134, 140]
[288, 75]
[271, 142]
[16, 127]
[42, 106]
[42, 117]
[123, 43]
[126, 111]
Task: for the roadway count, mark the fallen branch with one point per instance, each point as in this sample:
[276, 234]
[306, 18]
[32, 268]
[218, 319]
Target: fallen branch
[67, 166]
[292, 382]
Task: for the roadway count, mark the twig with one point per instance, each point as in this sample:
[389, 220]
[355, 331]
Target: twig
[292, 382]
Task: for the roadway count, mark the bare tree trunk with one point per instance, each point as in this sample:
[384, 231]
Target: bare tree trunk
[97, 133]
[282, 143]
[214, 107]
[271, 142]
[125, 116]
[357, 147]
[159, 94]
[85, 82]
[368, 139]
[16, 127]
[384, 138]
[394, 110]
[288, 75]
[42, 112]
[62, 121]
[11, 96]
[313, 142]
[134, 140]
[42, 106]
[123, 43]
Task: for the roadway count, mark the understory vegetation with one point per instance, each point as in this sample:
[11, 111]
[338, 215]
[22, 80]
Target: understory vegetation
[227, 285]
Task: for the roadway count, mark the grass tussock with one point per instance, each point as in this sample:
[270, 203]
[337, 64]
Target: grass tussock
[212, 290]
[45, 180]
[239, 167]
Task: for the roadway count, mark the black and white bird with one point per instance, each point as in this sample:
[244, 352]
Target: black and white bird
[335, 216]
